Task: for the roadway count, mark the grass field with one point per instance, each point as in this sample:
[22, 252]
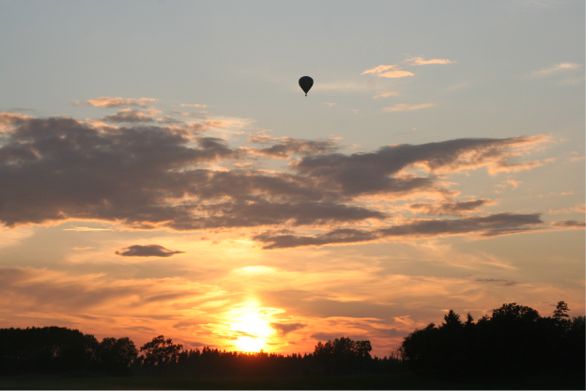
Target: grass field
[379, 381]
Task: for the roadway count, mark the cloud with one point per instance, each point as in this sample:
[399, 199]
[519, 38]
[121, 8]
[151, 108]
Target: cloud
[343, 86]
[197, 106]
[428, 61]
[385, 94]
[499, 281]
[377, 172]
[113, 101]
[285, 146]
[151, 250]
[286, 328]
[13, 236]
[450, 208]
[99, 299]
[9, 119]
[259, 212]
[57, 169]
[87, 229]
[38, 289]
[570, 224]
[132, 116]
[399, 107]
[72, 170]
[388, 72]
[491, 225]
[556, 69]
[342, 235]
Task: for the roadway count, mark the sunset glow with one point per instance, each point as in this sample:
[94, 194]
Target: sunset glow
[163, 173]
[251, 327]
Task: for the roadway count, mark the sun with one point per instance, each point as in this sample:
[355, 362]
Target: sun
[251, 327]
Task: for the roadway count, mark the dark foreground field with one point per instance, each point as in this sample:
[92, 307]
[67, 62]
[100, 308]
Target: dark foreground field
[405, 380]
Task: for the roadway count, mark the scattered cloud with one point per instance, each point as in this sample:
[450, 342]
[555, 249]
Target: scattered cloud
[400, 107]
[578, 208]
[498, 281]
[132, 116]
[284, 147]
[196, 106]
[570, 224]
[10, 119]
[150, 250]
[113, 101]
[388, 72]
[428, 61]
[556, 69]
[450, 208]
[385, 94]
[344, 86]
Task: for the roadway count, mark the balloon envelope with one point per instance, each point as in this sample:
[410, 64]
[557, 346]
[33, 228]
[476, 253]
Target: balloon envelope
[305, 83]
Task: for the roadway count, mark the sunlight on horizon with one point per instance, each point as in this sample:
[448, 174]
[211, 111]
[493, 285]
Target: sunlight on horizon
[250, 326]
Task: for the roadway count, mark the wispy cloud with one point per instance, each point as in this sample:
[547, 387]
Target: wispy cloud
[570, 224]
[114, 101]
[388, 72]
[399, 107]
[428, 61]
[499, 281]
[556, 69]
[343, 86]
[385, 94]
[87, 229]
[197, 106]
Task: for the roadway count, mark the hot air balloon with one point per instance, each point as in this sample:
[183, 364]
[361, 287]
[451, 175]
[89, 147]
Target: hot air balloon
[305, 83]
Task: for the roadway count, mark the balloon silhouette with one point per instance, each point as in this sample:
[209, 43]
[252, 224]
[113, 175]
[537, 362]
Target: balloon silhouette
[305, 83]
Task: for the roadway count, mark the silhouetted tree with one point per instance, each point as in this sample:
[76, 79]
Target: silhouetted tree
[49, 349]
[160, 352]
[117, 355]
[342, 354]
[469, 320]
[513, 339]
[561, 311]
[452, 320]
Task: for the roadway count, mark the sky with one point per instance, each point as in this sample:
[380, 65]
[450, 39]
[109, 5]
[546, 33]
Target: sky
[161, 172]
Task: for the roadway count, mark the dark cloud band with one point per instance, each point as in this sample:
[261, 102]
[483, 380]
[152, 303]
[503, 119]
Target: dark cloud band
[59, 168]
[150, 250]
[493, 225]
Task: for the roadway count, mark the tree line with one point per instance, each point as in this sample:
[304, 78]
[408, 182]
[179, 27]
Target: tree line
[512, 338]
